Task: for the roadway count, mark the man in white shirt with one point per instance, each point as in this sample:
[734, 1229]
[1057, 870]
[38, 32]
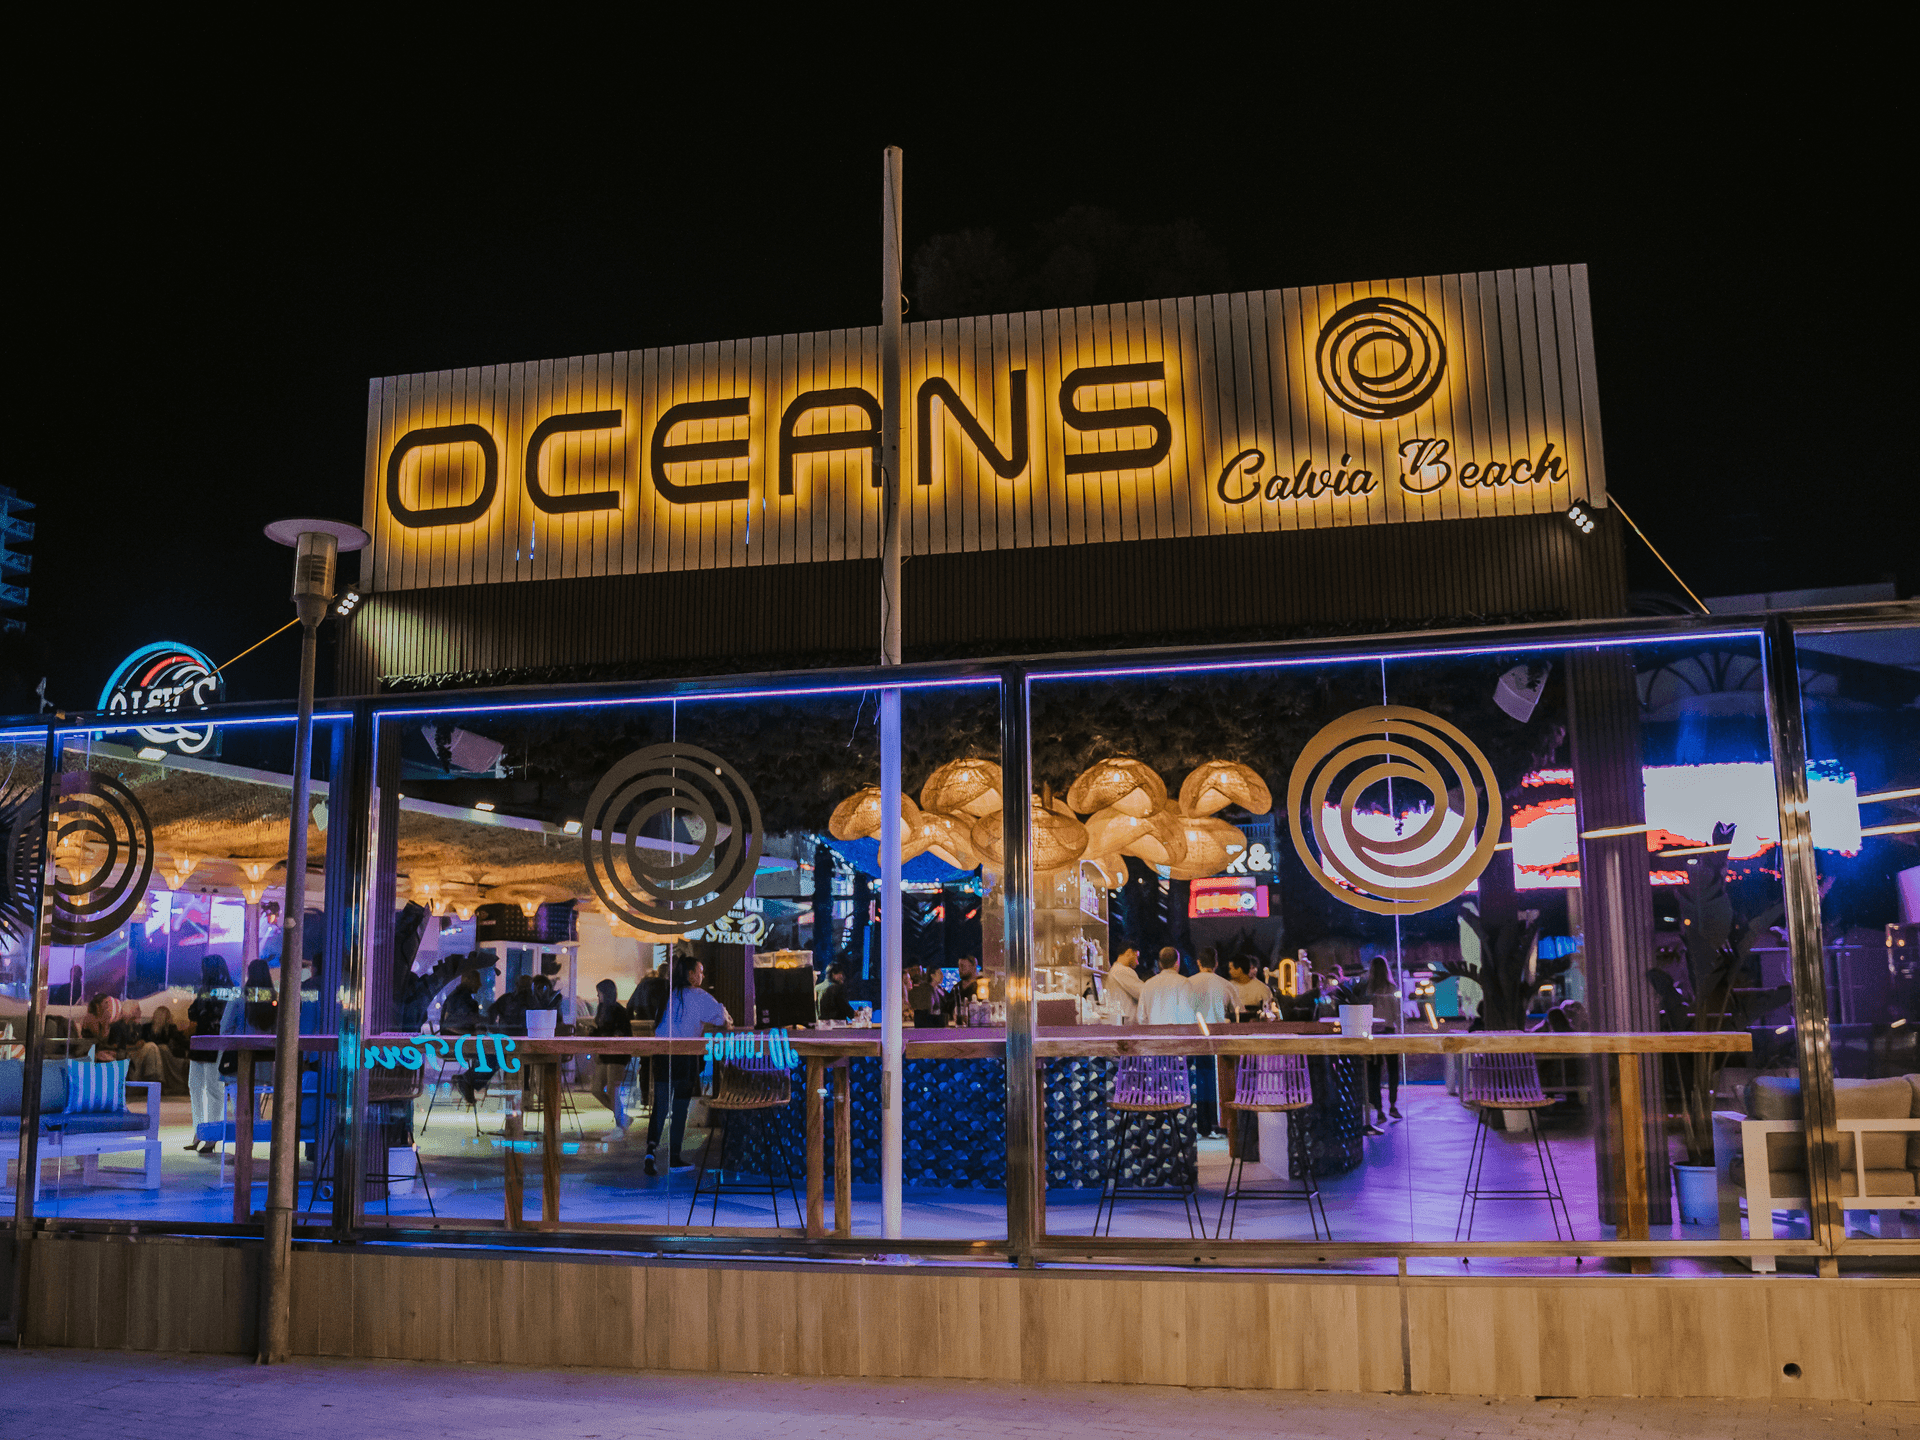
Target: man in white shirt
[1124, 980]
[1167, 999]
[1249, 993]
[1214, 998]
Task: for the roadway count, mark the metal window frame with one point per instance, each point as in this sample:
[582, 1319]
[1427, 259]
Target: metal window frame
[1026, 1241]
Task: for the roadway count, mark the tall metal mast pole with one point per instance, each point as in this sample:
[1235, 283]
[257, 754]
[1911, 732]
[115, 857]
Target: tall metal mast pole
[892, 994]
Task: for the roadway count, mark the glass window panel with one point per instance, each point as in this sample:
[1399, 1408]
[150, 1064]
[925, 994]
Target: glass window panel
[171, 858]
[1430, 822]
[490, 882]
[1860, 694]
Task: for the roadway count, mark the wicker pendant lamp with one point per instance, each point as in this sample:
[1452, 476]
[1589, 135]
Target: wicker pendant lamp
[1219, 783]
[968, 787]
[1119, 783]
[950, 837]
[1058, 838]
[1211, 846]
[1162, 842]
[858, 816]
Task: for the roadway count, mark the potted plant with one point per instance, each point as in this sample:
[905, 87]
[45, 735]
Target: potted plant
[1719, 946]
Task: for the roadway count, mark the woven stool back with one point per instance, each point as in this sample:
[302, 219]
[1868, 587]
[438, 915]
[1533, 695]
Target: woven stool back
[385, 1083]
[1272, 1082]
[749, 1082]
[1151, 1082]
[1504, 1082]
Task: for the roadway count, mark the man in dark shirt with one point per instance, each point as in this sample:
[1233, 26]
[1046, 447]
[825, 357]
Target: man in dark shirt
[965, 991]
[509, 1012]
[834, 1004]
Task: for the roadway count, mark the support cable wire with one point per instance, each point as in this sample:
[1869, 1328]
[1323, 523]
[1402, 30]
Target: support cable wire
[258, 643]
[1614, 501]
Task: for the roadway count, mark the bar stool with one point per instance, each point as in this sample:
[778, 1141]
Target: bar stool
[1507, 1082]
[1146, 1085]
[746, 1087]
[1275, 1085]
[386, 1085]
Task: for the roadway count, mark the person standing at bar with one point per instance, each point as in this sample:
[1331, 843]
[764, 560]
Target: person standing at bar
[203, 1076]
[1250, 992]
[688, 1014]
[1384, 996]
[1124, 980]
[1214, 998]
[611, 1019]
[1167, 999]
[965, 991]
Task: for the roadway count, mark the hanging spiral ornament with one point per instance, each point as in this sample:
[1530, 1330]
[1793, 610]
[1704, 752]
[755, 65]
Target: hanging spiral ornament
[1410, 749]
[103, 849]
[654, 888]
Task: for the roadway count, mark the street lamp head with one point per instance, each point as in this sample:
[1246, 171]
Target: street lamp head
[316, 543]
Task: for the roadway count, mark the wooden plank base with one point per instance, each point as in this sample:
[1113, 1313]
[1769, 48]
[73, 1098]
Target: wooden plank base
[1851, 1339]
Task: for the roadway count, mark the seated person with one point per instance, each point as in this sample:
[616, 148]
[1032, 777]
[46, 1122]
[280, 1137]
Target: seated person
[509, 1012]
[460, 1015]
[925, 999]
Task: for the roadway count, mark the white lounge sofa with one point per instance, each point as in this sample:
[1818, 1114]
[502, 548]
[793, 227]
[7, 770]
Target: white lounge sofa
[1761, 1156]
[64, 1136]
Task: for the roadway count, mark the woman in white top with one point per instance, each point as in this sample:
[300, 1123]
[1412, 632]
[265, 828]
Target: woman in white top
[688, 1014]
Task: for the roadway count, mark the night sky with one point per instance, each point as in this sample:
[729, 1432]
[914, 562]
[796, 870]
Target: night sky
[217, 277]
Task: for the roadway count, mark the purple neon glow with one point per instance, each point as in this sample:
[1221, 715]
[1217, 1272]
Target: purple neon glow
[1375, 656]
[105, 730]
[797, 693]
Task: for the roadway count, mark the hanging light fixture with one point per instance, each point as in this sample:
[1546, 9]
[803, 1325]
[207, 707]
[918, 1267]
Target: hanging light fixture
[1120, 783]
[183, 867]
[1220, 783]
[1059, 838]
[1211, 846]
[1162, 841]
[858, 816]
[950, 837]
[968, 787]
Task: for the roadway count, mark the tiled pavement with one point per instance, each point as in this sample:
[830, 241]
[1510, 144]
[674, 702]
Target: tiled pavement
[57, 1394]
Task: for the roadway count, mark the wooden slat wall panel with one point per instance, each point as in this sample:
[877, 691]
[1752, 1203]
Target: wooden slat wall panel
[993, 601]
[1852, 1339]
[1241, 373]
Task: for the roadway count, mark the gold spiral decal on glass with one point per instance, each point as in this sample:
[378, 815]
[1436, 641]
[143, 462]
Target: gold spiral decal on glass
[1409, 748]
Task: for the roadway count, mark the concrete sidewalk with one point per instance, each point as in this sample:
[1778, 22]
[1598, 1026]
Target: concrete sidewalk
[56, 1394]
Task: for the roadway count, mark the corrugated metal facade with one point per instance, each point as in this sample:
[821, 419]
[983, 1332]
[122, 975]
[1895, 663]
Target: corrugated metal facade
[994, 602]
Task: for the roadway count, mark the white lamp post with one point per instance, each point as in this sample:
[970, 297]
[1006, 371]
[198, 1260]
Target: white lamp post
[316, 545]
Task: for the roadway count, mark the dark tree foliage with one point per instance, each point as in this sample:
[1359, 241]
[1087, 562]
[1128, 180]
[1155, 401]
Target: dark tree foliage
[1084, 256]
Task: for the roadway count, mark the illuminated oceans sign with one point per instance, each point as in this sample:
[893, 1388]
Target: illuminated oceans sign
[1392, 401]
[162, 684]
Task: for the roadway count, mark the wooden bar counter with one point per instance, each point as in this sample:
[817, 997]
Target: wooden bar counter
[826, 1053]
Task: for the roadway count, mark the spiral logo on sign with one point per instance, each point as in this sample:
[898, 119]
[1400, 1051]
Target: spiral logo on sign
[654, 888]
[1401, 379]
[1408, 747]
[103, 857]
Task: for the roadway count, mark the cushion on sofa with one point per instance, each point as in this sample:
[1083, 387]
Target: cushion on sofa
[51, 1126]
[1792, 1184]
[53, 1087]
[1913, 1140]
[96, 1087]
[127, 1121]
[1777, 1097]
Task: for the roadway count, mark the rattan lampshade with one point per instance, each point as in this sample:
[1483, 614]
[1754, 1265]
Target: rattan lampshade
[1058, 838]
[1162, 841]
[1220, 783]
[968, 787]
[1119, 783]
[1211, 846]
[858, 816]
[950, 837]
